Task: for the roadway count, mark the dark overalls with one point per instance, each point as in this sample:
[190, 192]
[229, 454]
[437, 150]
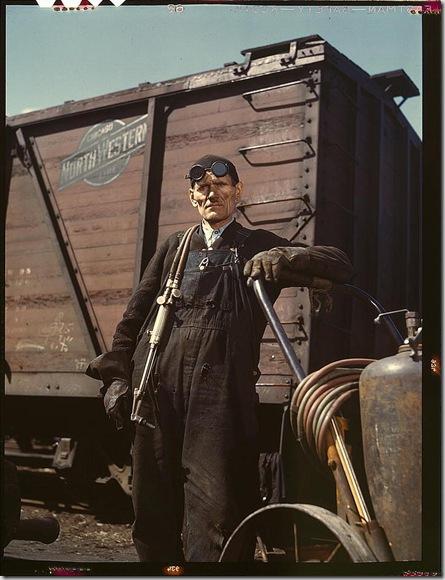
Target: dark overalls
[195, 475]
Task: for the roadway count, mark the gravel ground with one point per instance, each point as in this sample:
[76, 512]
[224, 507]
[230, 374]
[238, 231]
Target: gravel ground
[83, 538]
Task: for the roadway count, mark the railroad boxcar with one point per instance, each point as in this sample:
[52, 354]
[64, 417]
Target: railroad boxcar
[326, 156]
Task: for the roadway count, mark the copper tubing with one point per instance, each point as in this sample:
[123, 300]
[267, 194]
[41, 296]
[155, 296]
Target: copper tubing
[322, 409]
[315, 387]
[350, 362]
[314, 404]
[298, 405]
[323, 393]
[333, 408]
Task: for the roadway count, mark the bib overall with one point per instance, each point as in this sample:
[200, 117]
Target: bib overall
[195, 474]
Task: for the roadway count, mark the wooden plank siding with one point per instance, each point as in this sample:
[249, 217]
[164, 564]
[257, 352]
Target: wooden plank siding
[43, 331]
[101, 222]
[225, 125]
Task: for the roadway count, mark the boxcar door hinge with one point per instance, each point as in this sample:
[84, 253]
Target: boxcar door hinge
[23, 153]
[300, 326]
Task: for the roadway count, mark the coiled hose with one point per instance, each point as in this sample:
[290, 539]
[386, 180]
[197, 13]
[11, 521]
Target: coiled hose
[317, 399]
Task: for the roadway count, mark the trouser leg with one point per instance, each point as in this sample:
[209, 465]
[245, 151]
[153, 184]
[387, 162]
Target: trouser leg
[157, 501]
[216, 501]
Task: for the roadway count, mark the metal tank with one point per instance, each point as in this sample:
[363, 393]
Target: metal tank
[391, 415]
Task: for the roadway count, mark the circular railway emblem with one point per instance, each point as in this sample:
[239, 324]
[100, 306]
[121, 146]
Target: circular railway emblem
[104, 152]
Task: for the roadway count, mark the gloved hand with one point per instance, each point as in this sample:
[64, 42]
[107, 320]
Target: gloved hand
[317, 266]
[117, 402]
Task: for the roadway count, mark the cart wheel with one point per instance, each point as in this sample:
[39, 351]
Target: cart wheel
[281, 532]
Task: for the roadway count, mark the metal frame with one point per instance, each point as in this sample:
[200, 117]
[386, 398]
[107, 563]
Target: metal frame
[144, 212]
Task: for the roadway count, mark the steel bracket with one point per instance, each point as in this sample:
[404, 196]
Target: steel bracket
[64, 455]
[291, 56]
[122, 475]
[243, 68]
[23, 153]
[300, 325]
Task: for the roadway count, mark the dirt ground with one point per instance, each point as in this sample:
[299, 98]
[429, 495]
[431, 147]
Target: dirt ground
[83, 538]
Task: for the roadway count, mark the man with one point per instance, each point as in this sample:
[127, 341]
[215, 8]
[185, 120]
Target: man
[195, 471]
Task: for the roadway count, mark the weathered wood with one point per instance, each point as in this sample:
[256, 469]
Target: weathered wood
[349, 173]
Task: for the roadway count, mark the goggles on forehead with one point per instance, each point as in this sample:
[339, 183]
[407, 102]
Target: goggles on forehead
[197, 172]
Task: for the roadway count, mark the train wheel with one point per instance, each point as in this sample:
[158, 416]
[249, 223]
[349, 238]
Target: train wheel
[282, 534]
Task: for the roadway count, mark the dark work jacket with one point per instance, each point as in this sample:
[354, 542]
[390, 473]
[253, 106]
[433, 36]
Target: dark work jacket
[117, 364]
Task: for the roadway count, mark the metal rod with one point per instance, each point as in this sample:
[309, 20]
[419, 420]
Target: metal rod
[349, 471]
[297, 556]
[264, 201]
[268, 89]
[277, 328]
[262, 549]
[343, 488]
[276, 144]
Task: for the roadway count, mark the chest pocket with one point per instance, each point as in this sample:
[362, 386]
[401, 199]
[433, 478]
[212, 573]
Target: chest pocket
[209, 280]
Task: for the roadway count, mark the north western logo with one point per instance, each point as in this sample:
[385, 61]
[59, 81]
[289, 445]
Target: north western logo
[103, 152]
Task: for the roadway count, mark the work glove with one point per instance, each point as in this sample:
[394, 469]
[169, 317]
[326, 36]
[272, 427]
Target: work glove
[117, 403]
[314, 267]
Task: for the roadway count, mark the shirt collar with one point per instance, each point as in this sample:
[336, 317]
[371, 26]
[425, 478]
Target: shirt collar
[211, 233]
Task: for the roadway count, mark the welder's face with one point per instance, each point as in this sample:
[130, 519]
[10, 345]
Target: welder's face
[215, 198]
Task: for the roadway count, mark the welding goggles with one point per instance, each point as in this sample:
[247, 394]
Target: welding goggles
[218, 168]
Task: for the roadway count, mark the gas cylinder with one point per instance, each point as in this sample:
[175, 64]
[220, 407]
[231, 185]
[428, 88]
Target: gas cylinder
[391, 417]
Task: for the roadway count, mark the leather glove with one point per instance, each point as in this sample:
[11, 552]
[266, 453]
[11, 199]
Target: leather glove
[117, 402]
[314, 267]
